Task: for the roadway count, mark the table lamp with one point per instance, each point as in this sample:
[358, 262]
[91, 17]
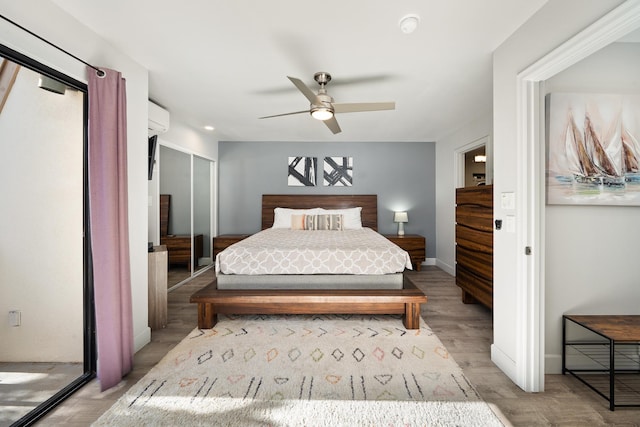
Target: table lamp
[400, 218]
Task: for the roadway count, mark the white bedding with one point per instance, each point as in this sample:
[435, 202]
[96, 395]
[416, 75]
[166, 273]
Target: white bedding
[285, 251]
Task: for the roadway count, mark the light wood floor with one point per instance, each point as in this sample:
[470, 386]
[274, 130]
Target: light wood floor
[466, 331]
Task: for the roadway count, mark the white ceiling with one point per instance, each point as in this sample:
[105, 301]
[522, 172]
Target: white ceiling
[225, 62]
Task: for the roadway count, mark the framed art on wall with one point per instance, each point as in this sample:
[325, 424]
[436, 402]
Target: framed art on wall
[302, 171]
[593, 154]
[338, 171]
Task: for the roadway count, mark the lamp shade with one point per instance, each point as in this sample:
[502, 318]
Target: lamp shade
[400, 217]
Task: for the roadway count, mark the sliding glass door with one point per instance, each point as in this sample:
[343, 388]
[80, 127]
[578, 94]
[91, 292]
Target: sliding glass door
[47, 349]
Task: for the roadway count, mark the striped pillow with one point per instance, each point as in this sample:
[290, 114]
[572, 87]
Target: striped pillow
[317, 222]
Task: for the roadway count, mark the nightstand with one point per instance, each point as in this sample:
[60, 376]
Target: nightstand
[225, 240]
[414, 244]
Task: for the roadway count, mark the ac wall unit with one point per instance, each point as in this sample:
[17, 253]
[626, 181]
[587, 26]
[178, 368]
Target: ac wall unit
[158, 119]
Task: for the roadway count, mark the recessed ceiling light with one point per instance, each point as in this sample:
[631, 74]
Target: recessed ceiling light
[409, 23]
[209, 127]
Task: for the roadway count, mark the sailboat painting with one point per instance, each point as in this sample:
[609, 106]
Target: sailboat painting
[593, 149]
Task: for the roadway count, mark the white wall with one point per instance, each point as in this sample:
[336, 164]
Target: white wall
[555, 23]
[200, 142]
[55, 25]
[446, 182]
[592, 251]
[42, 208]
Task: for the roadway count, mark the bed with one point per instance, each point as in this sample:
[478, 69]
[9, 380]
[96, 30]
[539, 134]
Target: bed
[298, 298]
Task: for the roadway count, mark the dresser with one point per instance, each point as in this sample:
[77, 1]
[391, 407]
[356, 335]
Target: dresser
[474, 244]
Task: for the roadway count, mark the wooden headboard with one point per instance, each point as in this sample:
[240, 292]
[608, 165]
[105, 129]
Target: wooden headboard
[368, 202]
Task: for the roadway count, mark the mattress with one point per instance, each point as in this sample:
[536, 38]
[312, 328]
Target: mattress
[276, 251]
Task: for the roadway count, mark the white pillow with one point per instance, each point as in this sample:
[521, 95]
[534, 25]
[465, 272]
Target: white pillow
[352, 219]
[282, 216]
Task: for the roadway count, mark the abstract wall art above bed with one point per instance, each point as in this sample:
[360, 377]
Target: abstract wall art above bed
[593, 149]
[302, 171]
[338, 171]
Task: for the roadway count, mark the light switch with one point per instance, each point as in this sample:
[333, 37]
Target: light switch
[510, 224]
[508, 201]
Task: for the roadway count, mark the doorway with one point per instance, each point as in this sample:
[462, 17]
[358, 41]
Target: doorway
[471, 164]
[475, 162]
[529, 369]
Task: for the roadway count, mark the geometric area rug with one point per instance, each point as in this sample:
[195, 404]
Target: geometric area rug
[311, 370]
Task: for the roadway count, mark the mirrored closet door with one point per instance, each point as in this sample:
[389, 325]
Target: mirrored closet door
[186, 213]
[202, 209]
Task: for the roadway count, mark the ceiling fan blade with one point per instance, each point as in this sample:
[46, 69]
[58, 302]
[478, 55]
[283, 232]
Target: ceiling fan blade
[285, 114]
[373, 78]
[355, 107]
[308, 93]
[333, 125]
[341, 82]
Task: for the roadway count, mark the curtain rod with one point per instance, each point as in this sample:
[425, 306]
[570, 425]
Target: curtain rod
[99, 72]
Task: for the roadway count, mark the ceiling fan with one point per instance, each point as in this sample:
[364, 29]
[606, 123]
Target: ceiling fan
[322, 106]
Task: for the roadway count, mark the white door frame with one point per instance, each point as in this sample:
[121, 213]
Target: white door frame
[530, 180]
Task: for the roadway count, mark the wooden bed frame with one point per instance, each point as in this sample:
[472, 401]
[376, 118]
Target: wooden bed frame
[212, 301]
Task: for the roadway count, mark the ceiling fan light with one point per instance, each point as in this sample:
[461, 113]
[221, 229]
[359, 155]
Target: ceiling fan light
[321, 113]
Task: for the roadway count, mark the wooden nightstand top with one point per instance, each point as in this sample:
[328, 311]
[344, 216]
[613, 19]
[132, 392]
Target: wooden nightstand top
[406, 236]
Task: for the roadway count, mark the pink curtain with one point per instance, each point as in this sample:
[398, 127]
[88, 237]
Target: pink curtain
[109, 225]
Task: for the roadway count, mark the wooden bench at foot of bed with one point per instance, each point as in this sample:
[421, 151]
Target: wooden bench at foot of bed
[212, 301]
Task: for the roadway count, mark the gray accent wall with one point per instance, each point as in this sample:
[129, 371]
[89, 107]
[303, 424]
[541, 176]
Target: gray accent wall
[402, 174]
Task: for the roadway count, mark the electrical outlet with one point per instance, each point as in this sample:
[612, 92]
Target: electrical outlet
[15, 318]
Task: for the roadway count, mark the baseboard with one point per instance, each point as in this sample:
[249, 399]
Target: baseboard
[445, 267]
[552, 363]
[504, 363]
[429, 261]
[141, 339]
